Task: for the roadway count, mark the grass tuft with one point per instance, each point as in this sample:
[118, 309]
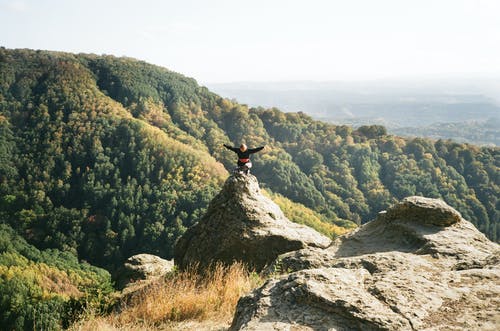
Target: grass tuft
[182, 297]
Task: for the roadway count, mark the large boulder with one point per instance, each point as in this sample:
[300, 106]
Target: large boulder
[424, 210]
[143, 267]
[418, 266]
[243, 225]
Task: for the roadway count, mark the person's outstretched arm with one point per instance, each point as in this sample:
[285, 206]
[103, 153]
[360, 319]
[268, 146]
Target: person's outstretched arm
[234, 149]
[255, 150]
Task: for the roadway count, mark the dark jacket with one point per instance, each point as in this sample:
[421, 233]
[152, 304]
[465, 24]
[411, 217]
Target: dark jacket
[243, 157]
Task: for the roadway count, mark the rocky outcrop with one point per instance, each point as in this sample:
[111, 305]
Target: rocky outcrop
[424, 211]
[243, 225]
[143, 267]
[418, 266]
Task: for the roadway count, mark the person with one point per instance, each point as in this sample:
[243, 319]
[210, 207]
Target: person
[244, 152]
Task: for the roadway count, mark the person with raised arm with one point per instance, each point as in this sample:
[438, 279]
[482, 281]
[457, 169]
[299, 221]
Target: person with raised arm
[244, 163]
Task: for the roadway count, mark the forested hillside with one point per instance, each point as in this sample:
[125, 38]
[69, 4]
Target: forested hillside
[41, 289]
[106, 157]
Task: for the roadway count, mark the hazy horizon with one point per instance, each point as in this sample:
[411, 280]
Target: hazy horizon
[466, 110]
[487, 86]
[399, 78]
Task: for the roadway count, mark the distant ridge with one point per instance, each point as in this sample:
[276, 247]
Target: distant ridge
[413, 102]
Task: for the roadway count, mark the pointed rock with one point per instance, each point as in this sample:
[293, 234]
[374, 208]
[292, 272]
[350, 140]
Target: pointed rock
[241, 224]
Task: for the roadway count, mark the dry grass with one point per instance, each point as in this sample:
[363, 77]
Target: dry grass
[185, 298]
[105, 324]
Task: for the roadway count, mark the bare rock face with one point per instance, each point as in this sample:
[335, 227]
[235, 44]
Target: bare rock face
[418, 266]
[243, 225]
[424, 210]
[143, 267]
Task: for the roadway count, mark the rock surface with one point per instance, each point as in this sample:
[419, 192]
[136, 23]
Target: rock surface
[418, 266]
[143, 267]
[241, 224]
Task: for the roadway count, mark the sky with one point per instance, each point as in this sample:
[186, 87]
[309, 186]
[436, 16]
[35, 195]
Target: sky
[269, 40]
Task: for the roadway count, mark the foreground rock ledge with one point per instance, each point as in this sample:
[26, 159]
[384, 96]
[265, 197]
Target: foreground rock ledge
[419, 266]
[243, 225]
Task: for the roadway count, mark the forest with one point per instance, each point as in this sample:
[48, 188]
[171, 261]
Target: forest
[104, 157]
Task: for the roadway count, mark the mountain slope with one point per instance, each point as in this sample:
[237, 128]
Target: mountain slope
[203, 115]
[44, 288]
[91, 177]
[107, 157]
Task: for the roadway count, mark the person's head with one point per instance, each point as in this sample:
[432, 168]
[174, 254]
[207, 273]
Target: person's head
[243, 147]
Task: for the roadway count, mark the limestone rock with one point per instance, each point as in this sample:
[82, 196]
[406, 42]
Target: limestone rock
[316, 299]
[424, 210]
[241, 224]
[416, 267]
[415, 226]
[143, 266]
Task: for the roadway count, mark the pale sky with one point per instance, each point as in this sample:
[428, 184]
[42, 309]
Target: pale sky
[269, 40]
